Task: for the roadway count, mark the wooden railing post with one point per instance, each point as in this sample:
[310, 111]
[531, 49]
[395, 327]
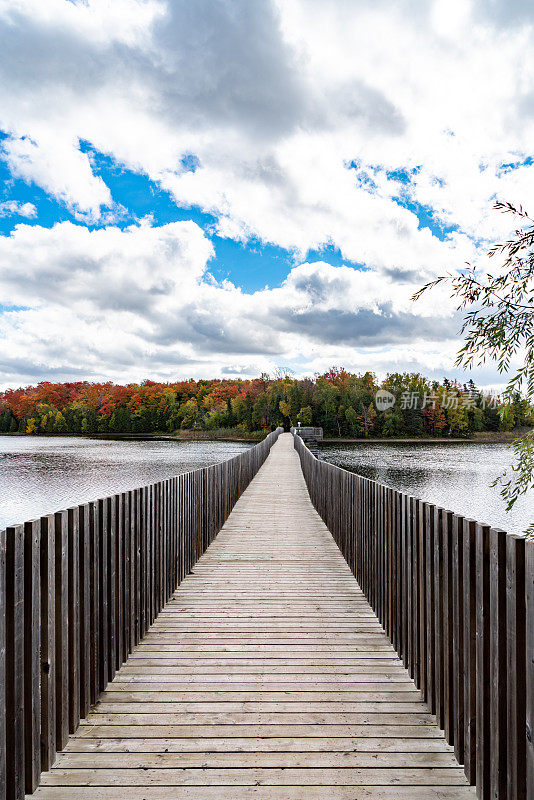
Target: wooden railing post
[14, 669]
[470, 644]
[498, 646]
[32, 653]
[516, 666]
[3, 687]
[80, 588]
[456, 599]
[529, 665]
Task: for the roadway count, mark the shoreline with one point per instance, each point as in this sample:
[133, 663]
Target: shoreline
[485, 437]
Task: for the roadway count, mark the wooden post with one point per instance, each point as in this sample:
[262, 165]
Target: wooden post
[529, 729]
[62, 628]
[470, 642]
[32, 653]
[127, 597]
[430, 637]
[439, 654]
[14, 671]
[498, 699]
[111, 554]
[120, 567]
[73, 655]
[94, 602]
[103, 601]
[421, 593]
[457, 563]
[448, 618]
[483, 730]
[516, 668]
[3, 730]
[84, 612]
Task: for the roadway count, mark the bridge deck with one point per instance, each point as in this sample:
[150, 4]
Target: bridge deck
[267, 676]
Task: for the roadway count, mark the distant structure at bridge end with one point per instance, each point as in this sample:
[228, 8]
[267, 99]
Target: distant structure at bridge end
[311, 437]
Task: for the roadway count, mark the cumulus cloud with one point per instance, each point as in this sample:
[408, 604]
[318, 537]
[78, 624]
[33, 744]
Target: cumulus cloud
[126, 303]
[14, 207]
[310, 123]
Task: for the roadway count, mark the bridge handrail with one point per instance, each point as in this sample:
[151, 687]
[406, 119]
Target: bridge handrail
[456, 599]
[78, 591]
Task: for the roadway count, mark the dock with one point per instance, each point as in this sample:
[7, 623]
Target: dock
[266, 675]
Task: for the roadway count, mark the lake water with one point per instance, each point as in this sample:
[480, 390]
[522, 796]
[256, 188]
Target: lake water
[39, 475]
[454, 476]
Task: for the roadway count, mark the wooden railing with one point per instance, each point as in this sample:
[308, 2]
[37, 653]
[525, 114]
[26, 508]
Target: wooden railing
[456, 599]
[78, 591]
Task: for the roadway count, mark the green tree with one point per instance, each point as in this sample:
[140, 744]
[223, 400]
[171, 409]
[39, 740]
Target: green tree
[305, 415]
[367, 418]
[499, 326]
[353, 420]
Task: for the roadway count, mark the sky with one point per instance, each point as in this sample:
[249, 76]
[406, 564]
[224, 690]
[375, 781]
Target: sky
[221, 188]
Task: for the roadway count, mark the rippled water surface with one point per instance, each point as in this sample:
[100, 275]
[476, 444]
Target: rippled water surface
[44, 474]
[453, 476]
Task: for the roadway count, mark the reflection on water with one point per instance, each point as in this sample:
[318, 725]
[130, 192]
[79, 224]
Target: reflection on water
[43, 474]
[454, 476]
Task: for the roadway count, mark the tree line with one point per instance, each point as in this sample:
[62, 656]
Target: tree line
[342, 403]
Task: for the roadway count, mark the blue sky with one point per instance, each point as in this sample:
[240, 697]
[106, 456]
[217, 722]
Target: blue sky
[216, 189]
[250, 264]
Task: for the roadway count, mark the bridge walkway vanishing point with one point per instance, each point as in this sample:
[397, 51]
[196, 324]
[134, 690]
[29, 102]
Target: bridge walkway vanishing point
[267, 675]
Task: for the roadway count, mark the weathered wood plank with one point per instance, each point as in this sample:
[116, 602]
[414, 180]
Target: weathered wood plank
[3, 727]
[62, 627]
[529, 728]
[84, 611]
[14, 668]
[267, 668]
[497, 654]
[469, 633]
[73, 613]
[482, 661]
[516, 668]
[32, 653]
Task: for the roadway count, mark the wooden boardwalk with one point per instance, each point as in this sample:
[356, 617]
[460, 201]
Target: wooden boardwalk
[266, 676]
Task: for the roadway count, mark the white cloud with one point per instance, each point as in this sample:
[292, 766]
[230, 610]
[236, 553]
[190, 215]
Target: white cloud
[124, 304]
[275, 98]
[14, 207]
[61, 169]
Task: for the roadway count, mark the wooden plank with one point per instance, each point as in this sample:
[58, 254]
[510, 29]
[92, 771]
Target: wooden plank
[111, 555]
[421, 594]
[529, 730]
[457, 563]
[483, 693]
[61, 608]
[470, 639]
[516, 668]
[267, 668]
[120, 567]
[447, 630]
[84, 611]
[14, 668]
[3, 727]
[438, 618]
[126, 608]
[228, 792]
[497, 653]
[103, 596]
[73, 613]
[429, 606]
[32, 653]
[94, 602]
[137, 521]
